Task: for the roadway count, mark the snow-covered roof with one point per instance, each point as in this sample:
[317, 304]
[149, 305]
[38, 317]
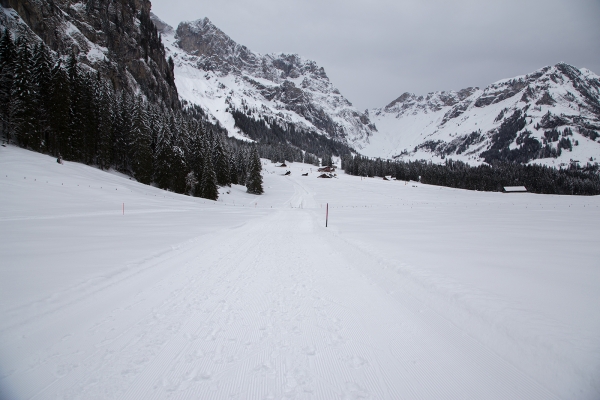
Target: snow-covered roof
[514, 189]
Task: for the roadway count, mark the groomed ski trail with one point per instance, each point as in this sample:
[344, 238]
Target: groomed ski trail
[280, 307]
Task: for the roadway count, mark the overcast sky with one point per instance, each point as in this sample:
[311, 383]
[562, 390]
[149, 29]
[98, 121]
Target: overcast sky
[374, 51]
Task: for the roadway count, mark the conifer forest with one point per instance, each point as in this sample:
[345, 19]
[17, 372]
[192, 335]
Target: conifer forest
[493, 178]
[57, 106]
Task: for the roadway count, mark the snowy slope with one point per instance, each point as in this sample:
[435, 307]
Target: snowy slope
[412, 291]
[462, 125]
[216, 73]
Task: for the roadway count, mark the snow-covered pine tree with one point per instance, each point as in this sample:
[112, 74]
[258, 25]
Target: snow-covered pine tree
[254, 183]
[22, 105]
[242, 165]
[326, 160]
[8, 55]
[42, 73]
[59, 111]
[362, 169]
[141, 144]
[163, 155]
[199, 174]
[122, 132]
[221, 162]
[196, 160]
[190, 183]
[209, 188]
[89, 117]
[233, 169]
[75, 141]
[179, 167]
[105, 119]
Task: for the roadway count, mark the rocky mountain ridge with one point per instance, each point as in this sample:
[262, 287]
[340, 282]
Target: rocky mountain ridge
[222, 76]
[550, 116]
[115, 38]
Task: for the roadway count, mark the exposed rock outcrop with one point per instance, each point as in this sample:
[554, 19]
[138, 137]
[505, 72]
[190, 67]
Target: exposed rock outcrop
[116, 38]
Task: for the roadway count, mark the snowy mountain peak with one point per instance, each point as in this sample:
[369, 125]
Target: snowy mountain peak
[216, 50]
[223, 77]
[550, 116]
[433, 101]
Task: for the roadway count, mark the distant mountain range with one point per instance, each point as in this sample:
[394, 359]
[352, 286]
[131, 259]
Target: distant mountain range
[551, 116]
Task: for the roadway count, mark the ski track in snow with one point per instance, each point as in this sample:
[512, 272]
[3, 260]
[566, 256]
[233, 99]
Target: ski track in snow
[271, 304]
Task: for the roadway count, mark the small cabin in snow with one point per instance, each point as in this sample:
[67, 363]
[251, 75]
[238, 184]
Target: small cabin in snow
[327, 169]
[515, 189]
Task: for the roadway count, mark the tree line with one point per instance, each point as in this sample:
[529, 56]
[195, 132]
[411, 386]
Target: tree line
[284, 140]
[457, 174]
[58, 106]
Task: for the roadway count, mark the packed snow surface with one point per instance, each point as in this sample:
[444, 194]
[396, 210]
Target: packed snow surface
[412, 291]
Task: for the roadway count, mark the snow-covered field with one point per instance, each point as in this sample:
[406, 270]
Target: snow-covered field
[413, 291]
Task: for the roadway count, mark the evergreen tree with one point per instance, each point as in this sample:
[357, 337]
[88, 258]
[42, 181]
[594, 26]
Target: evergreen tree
[179, 167]
[221, 163]
[254, 183]
[196, 161]
[362, 169]
[190, 183]
[105, 117]
[233, 174]
[59, 110]
[74, 146]
[122, 132]
[8, 55]
[242, 170]
[142, 158]
[23, 112]
[163, 156]
[209, 188]
[88, 116]
[42, 78]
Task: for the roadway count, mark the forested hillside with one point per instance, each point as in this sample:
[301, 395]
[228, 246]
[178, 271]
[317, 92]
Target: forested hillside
[493, 178]
[63, 108]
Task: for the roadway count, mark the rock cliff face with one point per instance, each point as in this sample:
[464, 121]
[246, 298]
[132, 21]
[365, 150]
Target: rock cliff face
[551, 116]
[114, 37]
[221, 75]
